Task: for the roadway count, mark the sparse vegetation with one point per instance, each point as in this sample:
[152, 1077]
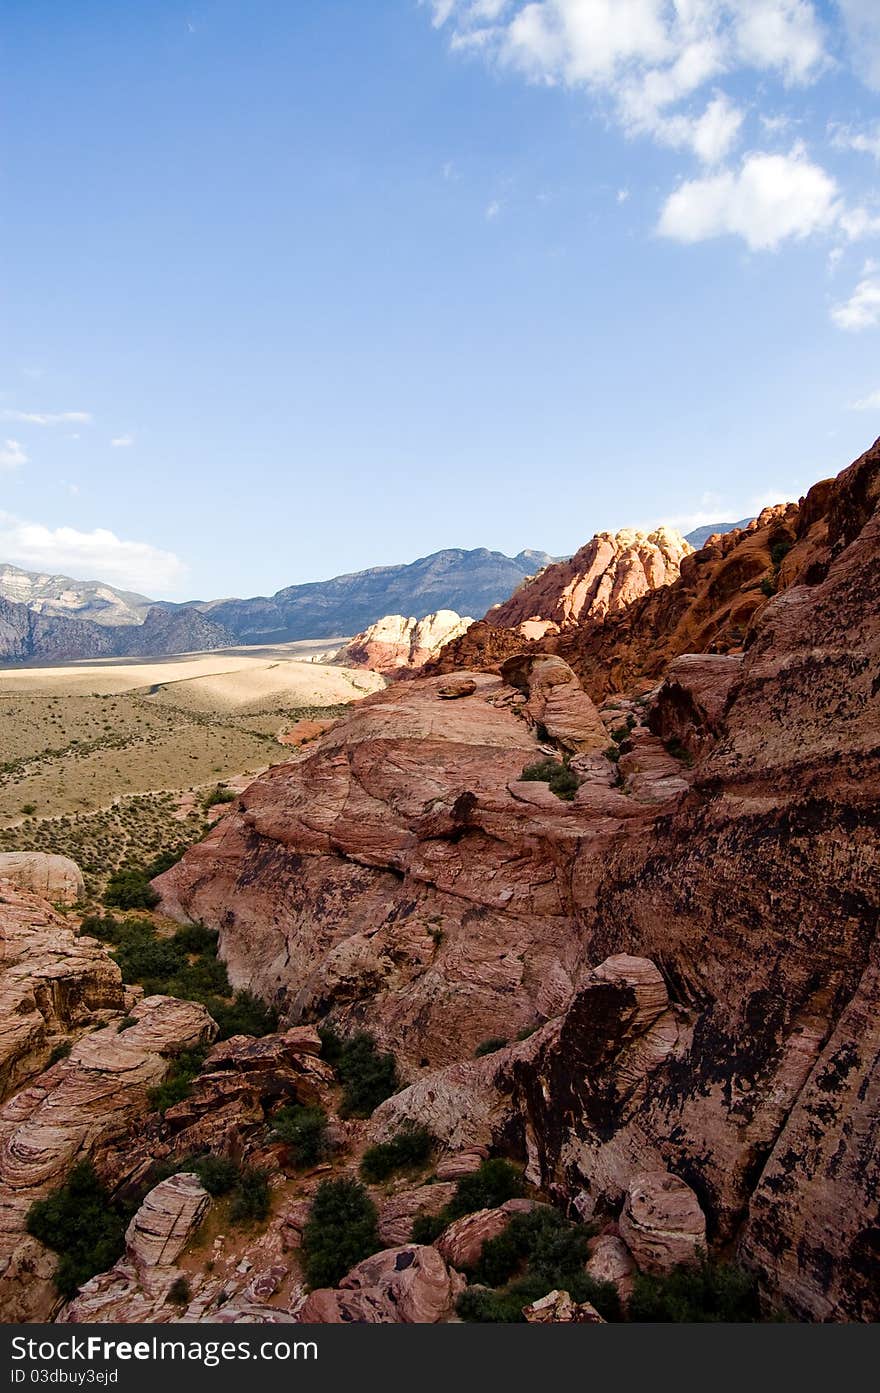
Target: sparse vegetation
[495, 1182]
[496, 1042]
[80, 1222]
[250, 1197]
[130, 889]
[367, 1075]
[341, 1231]
[537, 1253]
[219, 794]
[177, 1084]
[179, 1292]
[560, 779]
[711, 1291]
[408, 1150]
[304, 1132]
[61, 1051]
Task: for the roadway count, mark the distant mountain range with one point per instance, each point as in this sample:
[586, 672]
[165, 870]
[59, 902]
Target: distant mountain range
[53, 618]
[700, 535]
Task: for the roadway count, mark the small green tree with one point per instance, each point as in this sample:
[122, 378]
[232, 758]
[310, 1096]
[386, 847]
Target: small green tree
[304, 1132]
[341, 1231]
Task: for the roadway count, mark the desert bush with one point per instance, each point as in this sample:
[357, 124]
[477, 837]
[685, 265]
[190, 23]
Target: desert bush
[80, 1223]
[304, 1132]
[220, 794]
[244, 1015]
[367, 1076]
[250, 1197]
[410, 1148]
[130, 889]
[61, 1051]
[711, 1291]
[496, 1042]
[179, 1292]
[177, 1085]
[341, 1231]
[495, 1182]
[560, 779]
[218, 1174]
[196, 938]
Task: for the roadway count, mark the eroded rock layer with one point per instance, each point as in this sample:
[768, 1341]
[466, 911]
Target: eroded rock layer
[693, 932]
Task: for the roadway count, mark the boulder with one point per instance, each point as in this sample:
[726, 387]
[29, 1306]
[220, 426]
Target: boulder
[456, 687]
[409, 1285]
[461, 1244]
[662, 1223]
[557, 1308]
[556, 701]
[398, 1212]
[56, 878]
[611, 1261]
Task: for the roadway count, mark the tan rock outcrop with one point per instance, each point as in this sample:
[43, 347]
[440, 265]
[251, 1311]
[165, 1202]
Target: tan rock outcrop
[662, 1223]
[557, 1308]
[410, 1285]
[398, 1212]
[611, 1261]
[556, 702]
[53, 984]
[136, 1288]
[461, 1244]
[57, 879]
[395, 642]
[79, 1108]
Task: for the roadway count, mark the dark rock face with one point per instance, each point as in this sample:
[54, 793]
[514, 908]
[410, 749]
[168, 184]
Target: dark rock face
[465, 581]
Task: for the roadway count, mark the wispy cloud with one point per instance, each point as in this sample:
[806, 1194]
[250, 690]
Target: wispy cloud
[122, 442]
[47, 418]
[493, 209]
[862, 309]
[11, 454]
[95, 555]
[869, 403]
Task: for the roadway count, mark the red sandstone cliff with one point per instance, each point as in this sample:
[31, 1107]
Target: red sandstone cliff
[405, 877]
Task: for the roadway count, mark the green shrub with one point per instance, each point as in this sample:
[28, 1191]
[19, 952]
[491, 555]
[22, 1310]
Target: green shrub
[561, 780]
[220, 794]
[427, 1227]
[218, 1174]
[494, 1183]
[178, 1083]
[250, 1198]
[541, 772]
[79, 1222]
[620, 734]
[367, 1076]
[126, 1023]
[497, 1042]
[768, 587]
[28, 809]
[537, 1253]
[164, 861]
[410, 1148]
[304, 1132]
[130, 889]
[61, 1051]
[196, 938]
[245, 1015]
[341, 1231]
[179, 1293]
[711, 1291]
[779, 551]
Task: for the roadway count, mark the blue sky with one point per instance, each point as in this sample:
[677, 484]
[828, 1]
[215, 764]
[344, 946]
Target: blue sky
[290, 290]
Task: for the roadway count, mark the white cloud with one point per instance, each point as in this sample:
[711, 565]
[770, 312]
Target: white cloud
[650, 57]
[122, 442]
[862, 21]
[96, 555]
[866, 142]
[47, 418]
[493, 210]
[869, 403]
[769, 199]
[11, 454]
[862, 309]
[622, 195]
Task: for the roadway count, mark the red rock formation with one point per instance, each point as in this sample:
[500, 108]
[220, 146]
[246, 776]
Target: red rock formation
[403, 877]
[605, 576]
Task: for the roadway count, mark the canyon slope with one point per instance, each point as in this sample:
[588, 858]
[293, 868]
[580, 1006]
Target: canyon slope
[687, 937]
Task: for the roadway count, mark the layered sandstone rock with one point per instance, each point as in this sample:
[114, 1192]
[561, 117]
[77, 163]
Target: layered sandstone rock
[662, 1223]
[136, 1288]
[701, 970]
[395, 642]
[604, 577]
[79, 1108]
[408, 1285]
[556, 702]
[399, 1211]
[56, 878]
[52, 984]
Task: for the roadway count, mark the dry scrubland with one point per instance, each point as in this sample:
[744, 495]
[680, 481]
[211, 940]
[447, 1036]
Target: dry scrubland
[106, 762]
